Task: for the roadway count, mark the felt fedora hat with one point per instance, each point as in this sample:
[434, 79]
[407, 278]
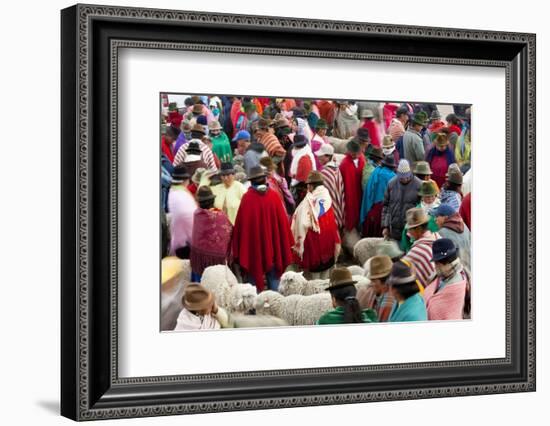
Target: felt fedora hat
[376, 153]
[197, 298]
[204, 193]
[256, 172]
[389, 161]
[454, 175]
[193, 147]
[420, 118]
[227, 169]
[427, 188]
[422, 168]
[416, 217]
[179, 174]
[388, 142]
[401, 273]
[380, 267]
[442, 249]
[340, 277]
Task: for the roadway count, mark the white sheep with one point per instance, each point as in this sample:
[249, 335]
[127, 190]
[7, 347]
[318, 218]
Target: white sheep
[295, 283]
[253, 321]
[338, 144]
[294, 309]
[315, 286]
[219, 279]
[242, 298]
[365, 248]
[291, 283]
[356, 270]
[362, 281]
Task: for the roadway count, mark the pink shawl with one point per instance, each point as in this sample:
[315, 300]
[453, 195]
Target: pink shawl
[181, 206]
[446, 304]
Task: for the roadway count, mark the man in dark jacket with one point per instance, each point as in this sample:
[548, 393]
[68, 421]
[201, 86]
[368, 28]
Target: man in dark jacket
[401, 195]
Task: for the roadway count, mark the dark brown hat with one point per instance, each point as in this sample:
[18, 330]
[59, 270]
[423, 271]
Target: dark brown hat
[256, 172]
[204, 193]
[197, 298]
[340, 277]
[376, 153]
[227, 169]
[380, 267]
[401, 273]
[315, 176]
[198, 128]
[263, 124]
[389, 161]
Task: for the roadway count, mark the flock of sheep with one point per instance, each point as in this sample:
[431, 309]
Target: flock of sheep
[297, 301]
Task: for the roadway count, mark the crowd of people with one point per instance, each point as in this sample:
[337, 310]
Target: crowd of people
[260, 184]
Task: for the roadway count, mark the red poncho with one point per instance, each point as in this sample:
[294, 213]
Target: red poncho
[465, 210]
[353, 192]
[261, 237]
[167, 149]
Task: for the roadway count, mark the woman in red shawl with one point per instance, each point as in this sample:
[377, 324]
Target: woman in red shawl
[167, 142]
[351, 169]
[262, 239]
[211, 235]
[317, 242]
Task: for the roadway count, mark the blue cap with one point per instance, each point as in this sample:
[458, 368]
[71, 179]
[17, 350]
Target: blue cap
[443, 210]
[242, 134]
[443, 248]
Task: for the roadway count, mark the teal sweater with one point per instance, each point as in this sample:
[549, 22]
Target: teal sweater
[412, 309]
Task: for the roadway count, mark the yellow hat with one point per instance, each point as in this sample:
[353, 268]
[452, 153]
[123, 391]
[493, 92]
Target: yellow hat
[171, 267]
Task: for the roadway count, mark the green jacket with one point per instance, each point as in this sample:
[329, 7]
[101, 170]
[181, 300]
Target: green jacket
[222, 148]
[336, 316]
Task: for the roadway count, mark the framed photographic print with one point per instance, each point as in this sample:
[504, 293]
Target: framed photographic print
[263, 212]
